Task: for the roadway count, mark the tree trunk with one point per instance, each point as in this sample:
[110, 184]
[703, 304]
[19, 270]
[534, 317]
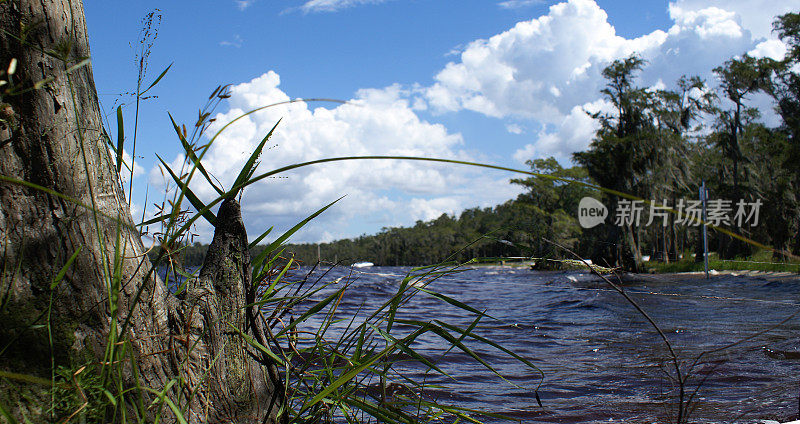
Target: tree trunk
[634, 262]
[53, 138]
[226, 380]
[673, 253]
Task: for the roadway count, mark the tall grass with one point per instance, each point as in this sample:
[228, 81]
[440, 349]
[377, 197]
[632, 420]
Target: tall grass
[328, 372]
[762, 260]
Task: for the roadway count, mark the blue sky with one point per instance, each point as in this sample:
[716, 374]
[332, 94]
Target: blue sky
[491, 81]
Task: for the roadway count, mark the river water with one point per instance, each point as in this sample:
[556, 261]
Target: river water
[601, 360]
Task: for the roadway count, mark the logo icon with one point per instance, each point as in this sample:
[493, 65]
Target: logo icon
[591, 212]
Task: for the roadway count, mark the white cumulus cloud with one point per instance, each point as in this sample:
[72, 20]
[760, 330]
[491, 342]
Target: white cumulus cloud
[754, 15]
[514, 129]
[572, 134]
[773, 49]
[547, 69]
[375, 122]
[539, 69]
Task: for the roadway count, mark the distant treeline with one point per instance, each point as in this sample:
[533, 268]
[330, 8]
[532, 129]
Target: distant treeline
[653, 144]
[506, 230]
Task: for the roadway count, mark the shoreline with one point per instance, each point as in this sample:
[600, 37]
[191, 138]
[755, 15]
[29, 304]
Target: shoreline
[776, 276]
[660, 276]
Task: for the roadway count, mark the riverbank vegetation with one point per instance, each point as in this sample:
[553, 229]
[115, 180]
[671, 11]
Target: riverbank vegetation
[761, 260]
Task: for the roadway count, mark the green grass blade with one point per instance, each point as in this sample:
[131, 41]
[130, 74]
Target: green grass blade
[268, 292]
[491, 343]
[252, 162]
[153, 221]
[7, 415]
[360, 343]
[403, 346]
[255, 242]
[311, 311]
[193, 157]
[260, 268]
[63, 271]
[382, 414]
[153, 84]
[441, 332]
[395, 302]
[193, 199]
[460, 411]
[454, 302]
[468, 330]
[274, 245]
[344, 378]
[25, 378]
[120, 138]
[258, 261]
[78, 65]
[251, 341]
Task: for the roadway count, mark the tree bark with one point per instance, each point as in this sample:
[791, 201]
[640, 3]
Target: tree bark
[52, 137]
[226, 380]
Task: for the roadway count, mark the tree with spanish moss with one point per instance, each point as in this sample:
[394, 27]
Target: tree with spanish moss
[618, 156]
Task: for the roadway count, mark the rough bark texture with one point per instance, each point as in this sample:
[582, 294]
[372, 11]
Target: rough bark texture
[227, 380]
[57, 141]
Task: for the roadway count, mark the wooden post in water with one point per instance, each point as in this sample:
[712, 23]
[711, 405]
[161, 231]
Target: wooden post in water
[703, 200]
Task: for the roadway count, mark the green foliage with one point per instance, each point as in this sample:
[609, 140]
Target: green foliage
[760, 261]
[78, 391]
[473, 234]
[784, 87]
[739, 78]
[650, 148]
[550, 207]
[341, 365]
[622, 154]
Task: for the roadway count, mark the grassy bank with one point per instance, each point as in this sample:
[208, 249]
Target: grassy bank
[761, 261]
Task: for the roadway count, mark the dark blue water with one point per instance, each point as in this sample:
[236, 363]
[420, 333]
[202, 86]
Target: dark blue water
[601, 360]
